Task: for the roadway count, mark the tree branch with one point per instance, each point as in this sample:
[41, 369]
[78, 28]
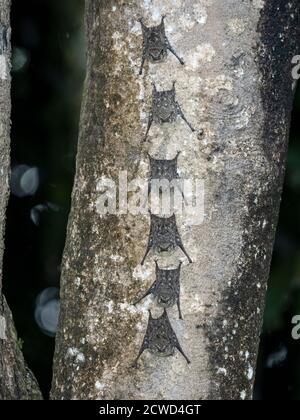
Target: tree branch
[16, 381]
[236, 85]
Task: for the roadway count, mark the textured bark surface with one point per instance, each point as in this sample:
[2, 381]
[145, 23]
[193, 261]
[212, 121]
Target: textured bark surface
[16, 381]
[237, 85]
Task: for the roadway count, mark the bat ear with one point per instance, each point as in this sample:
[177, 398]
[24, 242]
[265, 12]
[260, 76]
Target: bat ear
[174, 83]
[154, 87]
[176, 157]
[150, 314]
[142, 23]
[162, 22]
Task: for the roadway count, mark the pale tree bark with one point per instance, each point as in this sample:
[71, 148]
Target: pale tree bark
[16, 381]
[236, 84]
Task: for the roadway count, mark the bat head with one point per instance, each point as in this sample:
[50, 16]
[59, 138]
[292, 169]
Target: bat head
[163, 169]
[164, 104]
[155, 43]
[164, 232]
[160, 340]
[167, 290]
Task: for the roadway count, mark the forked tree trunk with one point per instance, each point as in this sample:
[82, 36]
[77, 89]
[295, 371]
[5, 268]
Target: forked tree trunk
[16, 381]
[236, 84]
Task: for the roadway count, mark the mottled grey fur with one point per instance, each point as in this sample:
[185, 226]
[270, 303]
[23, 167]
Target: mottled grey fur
[160, 338]
[156, 44]
[166, 288]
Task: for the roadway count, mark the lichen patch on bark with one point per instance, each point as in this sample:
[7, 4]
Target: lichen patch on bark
[3, 67]
[2, 328]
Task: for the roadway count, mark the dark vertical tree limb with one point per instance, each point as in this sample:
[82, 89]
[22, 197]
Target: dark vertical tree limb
[16, 381]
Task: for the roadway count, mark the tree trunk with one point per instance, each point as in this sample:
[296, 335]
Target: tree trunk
[236, 85]
[16, 381]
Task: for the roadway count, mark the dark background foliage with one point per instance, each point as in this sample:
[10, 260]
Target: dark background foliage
[48, 73]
